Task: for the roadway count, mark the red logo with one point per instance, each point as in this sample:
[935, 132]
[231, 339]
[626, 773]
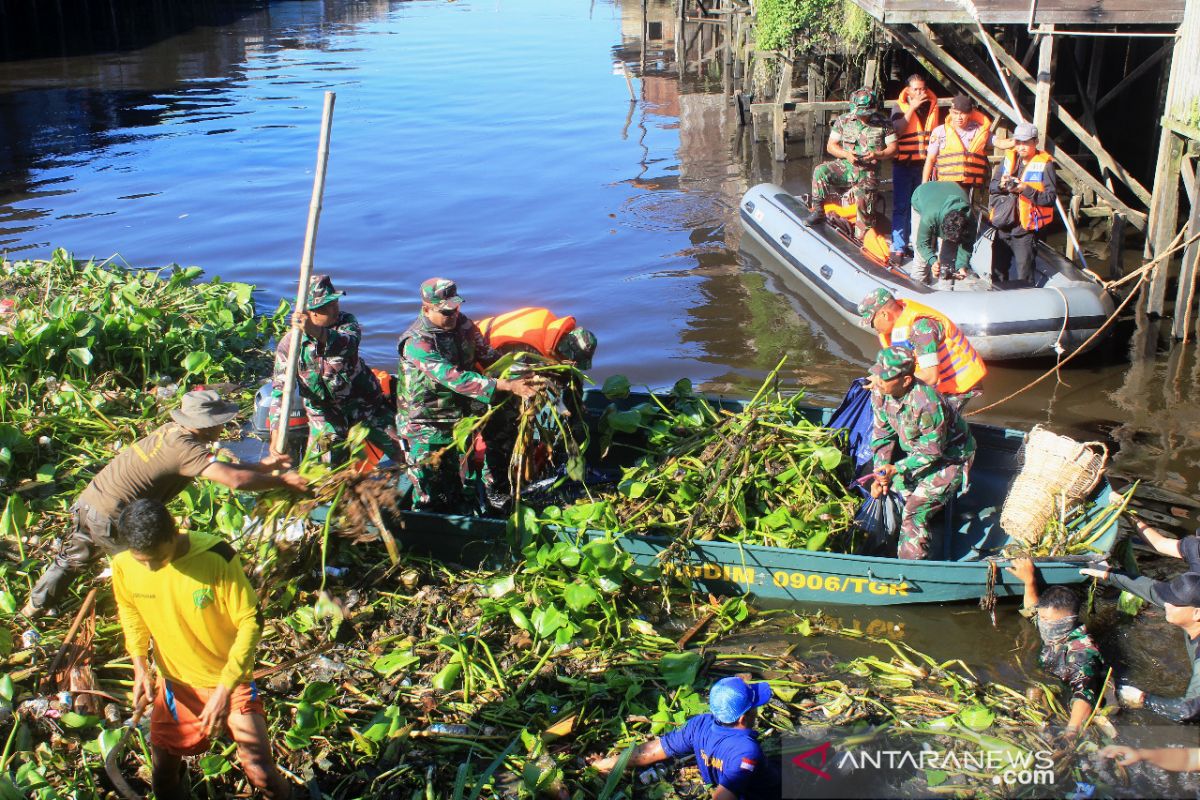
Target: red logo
[802, 761]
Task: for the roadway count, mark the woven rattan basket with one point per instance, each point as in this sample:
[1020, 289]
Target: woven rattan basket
[1056, 472]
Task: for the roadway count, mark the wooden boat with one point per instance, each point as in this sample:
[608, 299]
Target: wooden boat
[968, 539]
[1058, 314]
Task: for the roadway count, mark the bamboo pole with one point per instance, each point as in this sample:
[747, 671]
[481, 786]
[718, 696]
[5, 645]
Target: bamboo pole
[306, 261]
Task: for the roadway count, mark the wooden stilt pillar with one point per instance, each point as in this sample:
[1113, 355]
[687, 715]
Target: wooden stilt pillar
[1116, 244]
[1186, 295]
[778, 117]
[1164, 215]
[1045, 82]
[816, 119]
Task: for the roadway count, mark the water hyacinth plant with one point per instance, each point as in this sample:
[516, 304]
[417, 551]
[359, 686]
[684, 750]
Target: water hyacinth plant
[403, 677]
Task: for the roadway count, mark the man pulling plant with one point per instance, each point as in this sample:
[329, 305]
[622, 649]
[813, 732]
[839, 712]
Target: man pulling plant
[437, 385]
[188, 594]
[1180, 599]
[337, 387]
[538, 337]
[724, 741]
[157, 467]
[913, 420]
[1068, 651]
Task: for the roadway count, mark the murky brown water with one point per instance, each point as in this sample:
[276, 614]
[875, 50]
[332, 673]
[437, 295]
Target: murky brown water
[495, 144]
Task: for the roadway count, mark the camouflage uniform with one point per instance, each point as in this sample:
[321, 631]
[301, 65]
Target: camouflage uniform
[337, 387]
[860, 183]
[937, 445]
[437, 385]
[1073, 658]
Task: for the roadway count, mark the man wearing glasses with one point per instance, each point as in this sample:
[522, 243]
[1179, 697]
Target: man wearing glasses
[438, 385]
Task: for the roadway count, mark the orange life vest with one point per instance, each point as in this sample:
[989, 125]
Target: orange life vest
[959, 366]
[1033, 218]
[965, 163]
[913, 141]
[535, 327]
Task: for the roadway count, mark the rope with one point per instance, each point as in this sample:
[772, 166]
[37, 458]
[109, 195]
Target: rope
[1143, 272]
[1059, 350]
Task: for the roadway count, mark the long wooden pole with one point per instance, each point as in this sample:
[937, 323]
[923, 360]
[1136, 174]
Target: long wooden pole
[306, 262]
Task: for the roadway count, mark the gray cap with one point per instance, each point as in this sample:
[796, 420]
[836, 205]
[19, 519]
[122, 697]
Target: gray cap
[1025, 132]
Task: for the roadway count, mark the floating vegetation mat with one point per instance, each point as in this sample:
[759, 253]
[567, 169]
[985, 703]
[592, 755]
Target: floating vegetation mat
[763, 474]
[409, 678]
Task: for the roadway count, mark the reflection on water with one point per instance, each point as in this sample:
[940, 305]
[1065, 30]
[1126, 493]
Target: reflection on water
[470, 142]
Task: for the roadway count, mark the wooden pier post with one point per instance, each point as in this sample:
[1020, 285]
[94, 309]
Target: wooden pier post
[1045, 80]
[1186, 294]
[815, 132]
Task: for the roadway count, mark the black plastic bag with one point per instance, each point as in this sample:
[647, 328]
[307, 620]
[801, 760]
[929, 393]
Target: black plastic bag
[879, 518]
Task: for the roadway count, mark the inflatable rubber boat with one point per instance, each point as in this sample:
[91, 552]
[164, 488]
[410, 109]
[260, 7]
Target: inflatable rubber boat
[1062, 310]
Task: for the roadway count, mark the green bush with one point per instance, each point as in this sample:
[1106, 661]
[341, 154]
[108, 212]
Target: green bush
[810, 24]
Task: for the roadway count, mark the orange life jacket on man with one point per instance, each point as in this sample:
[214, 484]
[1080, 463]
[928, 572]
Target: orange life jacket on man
[535, 327]
[965, 163]
[959, 366]
[913, 141]
[1033, 218]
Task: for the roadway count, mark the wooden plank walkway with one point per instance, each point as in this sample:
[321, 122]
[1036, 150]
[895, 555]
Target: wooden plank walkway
[1013, 12]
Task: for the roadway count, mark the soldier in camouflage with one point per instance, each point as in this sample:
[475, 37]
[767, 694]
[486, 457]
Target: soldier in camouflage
[935, 442]
[337, 387]
[859, 140]
[438, 384]
[1068, 651]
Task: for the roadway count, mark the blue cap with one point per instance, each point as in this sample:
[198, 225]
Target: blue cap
[729, 698]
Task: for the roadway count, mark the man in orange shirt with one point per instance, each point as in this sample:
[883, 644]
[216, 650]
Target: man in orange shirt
[187, 593]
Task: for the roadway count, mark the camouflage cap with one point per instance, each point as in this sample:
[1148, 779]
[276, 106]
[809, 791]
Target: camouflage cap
[864, 98]
[321, 291]
[442, 293]
[873, 302]
[892, 362]
[579, 346]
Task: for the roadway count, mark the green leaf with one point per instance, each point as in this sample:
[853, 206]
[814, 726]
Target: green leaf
[197, 361]
[520, 620]
[579, 596]
[522, 526]
[80, 356]
[15, 517]
[546, 620]
[616, 387]
[214, 764]
[8, 604]
[499, 588]
[394, 662]
[977, 717]
[7, 689]
[935, 777]
[78, 721]
[107, 740]
[623, 421]
[680, 669]
[447, 678]
[318, 692]
[683, 389]
[604, 552]
[1130, 603]
[633, 489]
[830, 457]
[8, 790]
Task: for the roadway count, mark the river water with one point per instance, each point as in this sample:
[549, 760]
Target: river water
[494, 142]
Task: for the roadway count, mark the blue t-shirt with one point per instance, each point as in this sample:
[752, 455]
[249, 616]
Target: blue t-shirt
[728, 757]
[1189, 548]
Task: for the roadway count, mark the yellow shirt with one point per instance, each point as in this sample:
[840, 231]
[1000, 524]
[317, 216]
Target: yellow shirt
[200, 610]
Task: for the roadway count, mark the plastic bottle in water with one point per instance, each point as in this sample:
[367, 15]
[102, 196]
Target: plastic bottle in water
[448, 730]
[653, 775]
